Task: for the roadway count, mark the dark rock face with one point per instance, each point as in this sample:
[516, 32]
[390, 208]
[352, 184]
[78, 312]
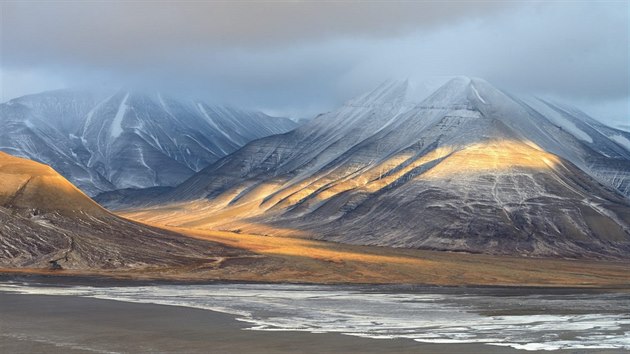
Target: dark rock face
[103, 142]
[468, 168]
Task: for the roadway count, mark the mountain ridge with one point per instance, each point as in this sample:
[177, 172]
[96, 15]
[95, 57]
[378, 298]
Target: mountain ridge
[326, 178]
[127, 139]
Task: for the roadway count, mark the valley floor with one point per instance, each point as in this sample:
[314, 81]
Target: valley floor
[294, 260]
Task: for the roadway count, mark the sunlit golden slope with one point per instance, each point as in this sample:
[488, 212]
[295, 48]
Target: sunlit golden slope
[240, 204]
[492, 157]
[45, 220]
[28, 184]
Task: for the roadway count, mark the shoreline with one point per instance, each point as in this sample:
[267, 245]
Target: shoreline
[107, 280]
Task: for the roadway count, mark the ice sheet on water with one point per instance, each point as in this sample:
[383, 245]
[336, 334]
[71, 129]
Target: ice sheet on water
[568, 321]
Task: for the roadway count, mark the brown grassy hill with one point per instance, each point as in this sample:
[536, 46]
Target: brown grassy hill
[45, 219]
[28, 184]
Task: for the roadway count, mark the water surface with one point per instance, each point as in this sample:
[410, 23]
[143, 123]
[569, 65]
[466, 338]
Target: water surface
[529, 319]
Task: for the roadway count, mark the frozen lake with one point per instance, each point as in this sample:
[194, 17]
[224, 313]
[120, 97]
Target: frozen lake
[521, 318]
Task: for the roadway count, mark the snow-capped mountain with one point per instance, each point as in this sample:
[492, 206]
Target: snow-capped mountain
[468, 168]
[103, 142]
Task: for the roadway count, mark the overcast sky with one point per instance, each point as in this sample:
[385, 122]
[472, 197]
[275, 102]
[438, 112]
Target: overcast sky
[300, 58]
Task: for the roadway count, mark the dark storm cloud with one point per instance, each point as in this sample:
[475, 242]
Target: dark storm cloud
[303, 57]
[103, 32]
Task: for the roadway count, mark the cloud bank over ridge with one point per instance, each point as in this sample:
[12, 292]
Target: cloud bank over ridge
[300, 58]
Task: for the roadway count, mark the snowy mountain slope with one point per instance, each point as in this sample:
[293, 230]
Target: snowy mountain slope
[311, 146]
[368, 132]
[604, 151]
[104, 142]
[469, 168]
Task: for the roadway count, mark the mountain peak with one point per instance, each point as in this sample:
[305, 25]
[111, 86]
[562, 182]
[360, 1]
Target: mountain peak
[392, 92]
[396, 92]
[460, 91]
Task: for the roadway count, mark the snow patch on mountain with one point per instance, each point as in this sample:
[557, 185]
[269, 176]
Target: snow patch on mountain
[477, 94]
[559, 118]
[116, 128]
[621, 140]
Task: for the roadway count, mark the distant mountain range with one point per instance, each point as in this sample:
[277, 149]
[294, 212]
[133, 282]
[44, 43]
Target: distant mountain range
[126, 139]
[467, 167]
